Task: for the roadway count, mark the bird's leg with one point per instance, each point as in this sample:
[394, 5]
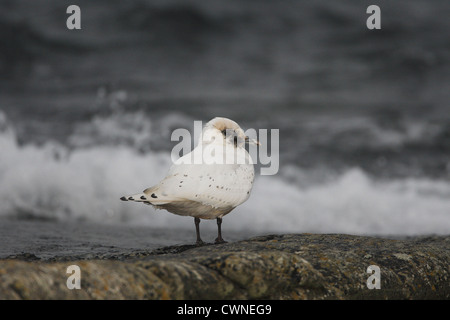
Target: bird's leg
[199, 241]
[219, 238]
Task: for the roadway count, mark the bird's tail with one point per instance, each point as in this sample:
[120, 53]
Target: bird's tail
[150, 196]
[139, 197]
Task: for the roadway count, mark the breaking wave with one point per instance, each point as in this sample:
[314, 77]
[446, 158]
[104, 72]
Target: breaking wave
[85, 181]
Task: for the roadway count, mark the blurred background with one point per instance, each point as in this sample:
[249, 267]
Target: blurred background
[86, 115]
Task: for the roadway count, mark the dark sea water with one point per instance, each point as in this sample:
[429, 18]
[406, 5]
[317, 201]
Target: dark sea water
[62, 240]
[364, 115]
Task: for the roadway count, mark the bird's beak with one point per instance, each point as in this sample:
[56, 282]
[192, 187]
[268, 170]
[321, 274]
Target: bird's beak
[253, 141]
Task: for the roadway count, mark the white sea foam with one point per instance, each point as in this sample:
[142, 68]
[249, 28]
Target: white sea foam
[51, 182]
[351, 203]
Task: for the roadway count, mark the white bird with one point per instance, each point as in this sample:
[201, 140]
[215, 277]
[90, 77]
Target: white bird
[210, 181]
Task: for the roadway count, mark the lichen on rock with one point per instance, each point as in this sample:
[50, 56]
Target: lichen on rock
[291, 266]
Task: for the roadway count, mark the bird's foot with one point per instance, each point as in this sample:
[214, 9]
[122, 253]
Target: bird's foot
[199, 243]
[219, 241]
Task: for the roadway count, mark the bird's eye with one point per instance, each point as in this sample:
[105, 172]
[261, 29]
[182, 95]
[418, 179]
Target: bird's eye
[231, 135]
[228, 132]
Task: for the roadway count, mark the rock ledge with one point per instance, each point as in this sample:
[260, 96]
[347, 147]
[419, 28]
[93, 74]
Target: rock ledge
[291, 266]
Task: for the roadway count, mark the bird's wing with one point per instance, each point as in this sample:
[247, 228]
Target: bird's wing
[218, 185]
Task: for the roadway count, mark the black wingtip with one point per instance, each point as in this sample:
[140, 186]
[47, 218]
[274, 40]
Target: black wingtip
[123, 199]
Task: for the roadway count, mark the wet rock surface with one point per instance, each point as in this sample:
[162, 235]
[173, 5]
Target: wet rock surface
[291, 266]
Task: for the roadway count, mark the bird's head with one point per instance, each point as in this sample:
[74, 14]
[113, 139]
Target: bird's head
[226, 131]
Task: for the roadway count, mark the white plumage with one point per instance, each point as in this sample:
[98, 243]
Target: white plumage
[209, 182]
